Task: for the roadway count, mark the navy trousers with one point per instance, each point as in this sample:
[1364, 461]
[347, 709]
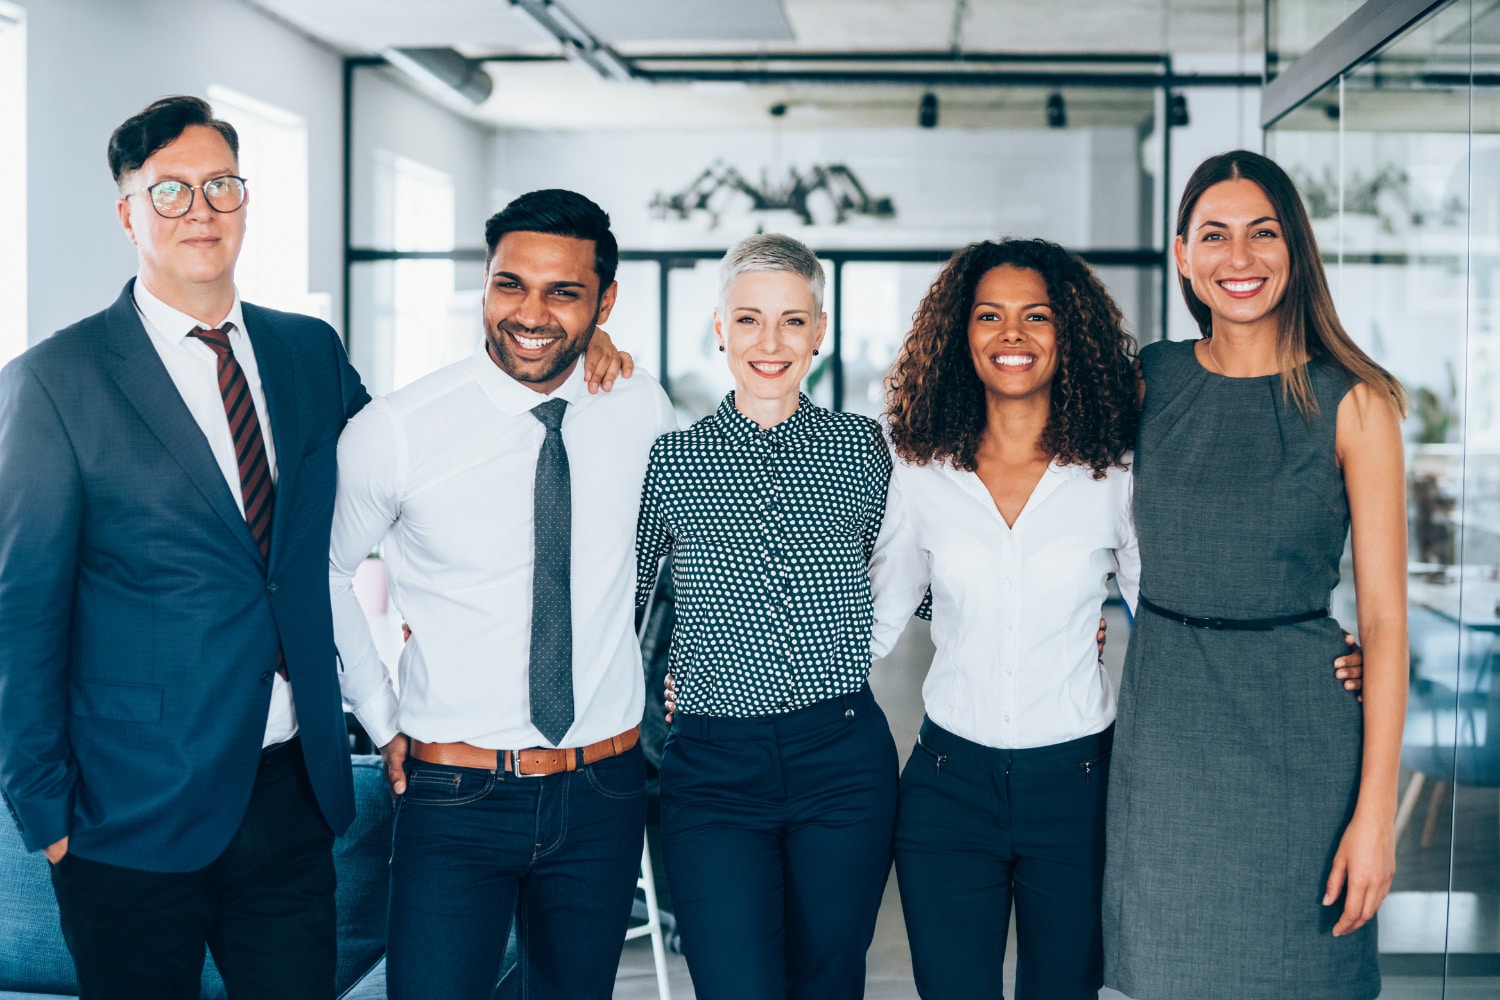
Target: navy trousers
[264, 907]
[777, 840]
[473, 849]
[979, 828]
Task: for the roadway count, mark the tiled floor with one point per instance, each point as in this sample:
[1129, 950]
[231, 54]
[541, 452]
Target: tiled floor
[897, 683]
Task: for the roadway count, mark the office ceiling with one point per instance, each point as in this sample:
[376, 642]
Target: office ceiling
[729, 63]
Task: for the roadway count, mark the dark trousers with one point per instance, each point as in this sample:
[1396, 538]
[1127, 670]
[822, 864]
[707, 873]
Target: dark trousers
[777, 840]
[264, 907]
[472, 849]
[979, 828]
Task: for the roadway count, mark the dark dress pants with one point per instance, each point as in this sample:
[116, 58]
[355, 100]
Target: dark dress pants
[264, 907]
[776, 833]
[979, 828]
[473, 849]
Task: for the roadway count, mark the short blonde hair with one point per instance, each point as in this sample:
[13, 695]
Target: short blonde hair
[770, 252]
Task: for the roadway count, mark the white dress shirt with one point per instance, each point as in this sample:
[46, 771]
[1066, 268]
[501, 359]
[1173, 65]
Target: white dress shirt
[1014, 608]
[194, 368]
[447, 466]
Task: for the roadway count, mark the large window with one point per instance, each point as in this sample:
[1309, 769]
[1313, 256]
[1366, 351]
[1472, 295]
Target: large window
[413, 316]
[12, 181]
[272, 269]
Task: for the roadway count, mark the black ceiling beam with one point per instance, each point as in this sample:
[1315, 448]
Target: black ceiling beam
[923, 55]
[1108, 257]
[950, 78]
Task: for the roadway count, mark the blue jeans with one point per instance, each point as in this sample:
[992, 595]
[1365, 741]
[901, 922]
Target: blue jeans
[979, 827]
[472, 848]
[777, 840]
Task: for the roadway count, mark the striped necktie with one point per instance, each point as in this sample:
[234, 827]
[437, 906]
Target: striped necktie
[256, 489]
[257, 492]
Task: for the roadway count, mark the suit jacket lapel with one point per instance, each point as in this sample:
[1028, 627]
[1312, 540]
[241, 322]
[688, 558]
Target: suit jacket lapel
[144, 381]
[278, 380]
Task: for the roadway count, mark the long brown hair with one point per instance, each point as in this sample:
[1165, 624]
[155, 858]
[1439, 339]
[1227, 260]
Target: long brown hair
[935, 403]
[1308, 324]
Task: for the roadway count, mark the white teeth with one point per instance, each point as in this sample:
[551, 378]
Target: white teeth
[533, 344]
[771, 367]
[1011, 361]
[1243, 286]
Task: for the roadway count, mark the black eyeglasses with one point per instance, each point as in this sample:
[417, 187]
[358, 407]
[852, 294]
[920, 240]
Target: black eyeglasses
[174, 199]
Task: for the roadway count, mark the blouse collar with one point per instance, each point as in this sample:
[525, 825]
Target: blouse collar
[741, 430]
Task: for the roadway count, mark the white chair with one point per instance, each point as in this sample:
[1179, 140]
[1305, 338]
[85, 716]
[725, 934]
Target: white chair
[652, 926]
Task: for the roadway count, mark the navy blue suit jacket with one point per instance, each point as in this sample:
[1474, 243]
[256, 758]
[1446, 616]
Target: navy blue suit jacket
[139, 624]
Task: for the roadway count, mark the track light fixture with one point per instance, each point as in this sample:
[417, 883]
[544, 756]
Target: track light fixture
[927, 110]
[1057, 111]
[1177, 110]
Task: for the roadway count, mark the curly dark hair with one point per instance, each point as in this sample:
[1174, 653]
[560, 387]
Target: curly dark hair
[935, 403]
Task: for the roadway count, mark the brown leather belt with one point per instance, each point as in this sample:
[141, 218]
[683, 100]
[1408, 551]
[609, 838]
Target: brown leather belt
[533, 763]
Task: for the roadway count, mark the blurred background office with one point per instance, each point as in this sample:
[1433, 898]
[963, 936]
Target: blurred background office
[378, 134]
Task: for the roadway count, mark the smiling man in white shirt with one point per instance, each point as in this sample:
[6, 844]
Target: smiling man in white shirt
[507, 496]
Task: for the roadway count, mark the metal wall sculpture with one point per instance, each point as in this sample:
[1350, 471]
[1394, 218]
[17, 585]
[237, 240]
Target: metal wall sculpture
[719, 187]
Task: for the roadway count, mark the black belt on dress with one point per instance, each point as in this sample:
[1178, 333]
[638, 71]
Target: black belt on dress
[1241, 624]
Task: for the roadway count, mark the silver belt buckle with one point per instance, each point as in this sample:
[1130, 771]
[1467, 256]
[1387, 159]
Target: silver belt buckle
[515, 767]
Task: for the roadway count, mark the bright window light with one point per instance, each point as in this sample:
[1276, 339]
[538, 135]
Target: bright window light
[12, 181]
[431, 324]
[272, 269]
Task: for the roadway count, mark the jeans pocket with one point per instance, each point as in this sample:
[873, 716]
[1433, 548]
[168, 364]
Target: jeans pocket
[620, 777]
[442, 785]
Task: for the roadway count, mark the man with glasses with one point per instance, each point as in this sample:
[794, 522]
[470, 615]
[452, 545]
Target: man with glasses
[171, 730]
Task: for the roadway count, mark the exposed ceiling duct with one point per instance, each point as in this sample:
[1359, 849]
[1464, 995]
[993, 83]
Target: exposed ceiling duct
[446, 72]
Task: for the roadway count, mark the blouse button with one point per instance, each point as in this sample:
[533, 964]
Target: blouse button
[848, 713]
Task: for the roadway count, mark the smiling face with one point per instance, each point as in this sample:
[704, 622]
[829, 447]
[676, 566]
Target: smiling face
[186, 259]
[541, 304]
[1012, 334]
[769, 325]
[1235, 254]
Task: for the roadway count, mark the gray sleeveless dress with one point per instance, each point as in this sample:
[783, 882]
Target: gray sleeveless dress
[1237, 754]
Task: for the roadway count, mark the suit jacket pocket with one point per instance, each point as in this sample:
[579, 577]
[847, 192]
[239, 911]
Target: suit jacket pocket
[121, 702]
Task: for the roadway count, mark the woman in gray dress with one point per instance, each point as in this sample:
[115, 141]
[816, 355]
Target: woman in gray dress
[1251, 802]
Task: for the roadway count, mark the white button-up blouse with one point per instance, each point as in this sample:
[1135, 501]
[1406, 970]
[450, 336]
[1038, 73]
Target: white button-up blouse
[1014, 608]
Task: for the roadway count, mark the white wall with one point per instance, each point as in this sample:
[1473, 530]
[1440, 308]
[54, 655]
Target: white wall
[92, 64]
[390, 117]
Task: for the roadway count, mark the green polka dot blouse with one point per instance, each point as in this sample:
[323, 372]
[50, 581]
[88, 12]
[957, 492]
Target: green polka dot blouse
[770, 532]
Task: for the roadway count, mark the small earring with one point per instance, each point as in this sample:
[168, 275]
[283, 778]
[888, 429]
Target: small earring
[721, 348]
[815, 352]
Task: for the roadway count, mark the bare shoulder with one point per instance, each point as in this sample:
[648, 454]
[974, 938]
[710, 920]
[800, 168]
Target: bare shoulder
[1368, 429]
[1366, 409]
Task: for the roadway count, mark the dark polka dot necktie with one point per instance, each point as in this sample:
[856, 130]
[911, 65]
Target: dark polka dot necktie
[551, 666]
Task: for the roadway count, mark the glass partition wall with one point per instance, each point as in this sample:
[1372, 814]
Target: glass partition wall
[1398, 160]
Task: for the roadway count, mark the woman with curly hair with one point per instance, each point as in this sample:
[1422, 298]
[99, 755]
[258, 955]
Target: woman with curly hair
[1012, 409]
